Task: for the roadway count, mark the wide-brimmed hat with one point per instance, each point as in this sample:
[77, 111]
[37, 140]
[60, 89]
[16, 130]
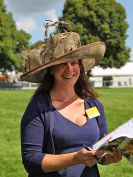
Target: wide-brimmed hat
[60, 48]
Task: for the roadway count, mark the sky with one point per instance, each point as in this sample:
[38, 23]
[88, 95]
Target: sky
[128, 5]
[31, 14]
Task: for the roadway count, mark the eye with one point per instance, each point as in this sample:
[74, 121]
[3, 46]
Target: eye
[62, 65]
[74, 63]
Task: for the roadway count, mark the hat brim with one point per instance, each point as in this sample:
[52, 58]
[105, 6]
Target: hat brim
[90, 55]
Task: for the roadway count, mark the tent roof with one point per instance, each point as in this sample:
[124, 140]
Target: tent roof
[125, 70]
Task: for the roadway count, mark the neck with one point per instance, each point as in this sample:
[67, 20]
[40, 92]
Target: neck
[63, 94]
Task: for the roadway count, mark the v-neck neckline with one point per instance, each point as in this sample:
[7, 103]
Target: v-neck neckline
[68, 120]
[65, 118]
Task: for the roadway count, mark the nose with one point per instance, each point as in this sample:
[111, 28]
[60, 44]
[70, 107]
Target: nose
[69, 66]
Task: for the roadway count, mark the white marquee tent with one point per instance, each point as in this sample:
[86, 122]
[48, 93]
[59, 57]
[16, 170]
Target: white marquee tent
[114, 77]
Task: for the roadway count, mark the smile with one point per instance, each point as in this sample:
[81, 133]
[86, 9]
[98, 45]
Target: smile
[68, 77]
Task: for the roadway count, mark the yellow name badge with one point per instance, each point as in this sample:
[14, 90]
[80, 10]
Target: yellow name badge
[92, 112]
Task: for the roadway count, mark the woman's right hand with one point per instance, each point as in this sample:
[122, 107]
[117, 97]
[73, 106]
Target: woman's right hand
[86, 157]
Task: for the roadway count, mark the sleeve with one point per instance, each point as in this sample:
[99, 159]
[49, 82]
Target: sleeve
[32, 137]
[102, 120]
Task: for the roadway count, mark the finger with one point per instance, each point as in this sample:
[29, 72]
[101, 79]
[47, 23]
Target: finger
[91, 153]
[119, 154]
[100, 153]
[89, 161]
[92, 162]
[108, 158]
[115, 155]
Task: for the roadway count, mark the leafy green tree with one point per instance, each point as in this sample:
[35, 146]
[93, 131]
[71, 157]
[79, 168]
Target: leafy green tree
[100, 20]
[12, 41]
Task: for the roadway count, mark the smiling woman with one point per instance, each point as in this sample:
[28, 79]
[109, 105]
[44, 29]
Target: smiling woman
[66, 73]
[55, 125]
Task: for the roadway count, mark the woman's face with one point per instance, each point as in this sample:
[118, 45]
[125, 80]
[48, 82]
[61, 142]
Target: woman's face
[66, 73]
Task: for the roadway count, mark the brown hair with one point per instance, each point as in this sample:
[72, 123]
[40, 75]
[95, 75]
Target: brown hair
[83, 87]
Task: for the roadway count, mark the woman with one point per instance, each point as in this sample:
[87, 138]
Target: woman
[58, 123]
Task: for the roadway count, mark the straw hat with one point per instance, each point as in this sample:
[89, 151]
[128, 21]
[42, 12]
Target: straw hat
[60, 48]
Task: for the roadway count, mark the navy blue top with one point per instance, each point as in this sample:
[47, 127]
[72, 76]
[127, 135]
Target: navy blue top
[70, 137]
[45, 130]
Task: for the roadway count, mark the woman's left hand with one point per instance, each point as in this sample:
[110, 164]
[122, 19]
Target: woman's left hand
[113, 157]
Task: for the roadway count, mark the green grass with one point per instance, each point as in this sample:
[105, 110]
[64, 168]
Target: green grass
[118, 104]
[12, 105]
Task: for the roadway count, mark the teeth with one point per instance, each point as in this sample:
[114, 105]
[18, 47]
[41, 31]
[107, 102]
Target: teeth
[68, 77]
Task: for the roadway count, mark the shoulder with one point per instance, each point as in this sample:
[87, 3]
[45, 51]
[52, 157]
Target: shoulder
[99, 104]
[40, 102]
[35, 109]
[95, 102]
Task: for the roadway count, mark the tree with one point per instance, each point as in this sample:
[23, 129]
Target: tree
[11, 40]
[100, 20]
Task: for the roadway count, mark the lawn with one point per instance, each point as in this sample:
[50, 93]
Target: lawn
[118, 104]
